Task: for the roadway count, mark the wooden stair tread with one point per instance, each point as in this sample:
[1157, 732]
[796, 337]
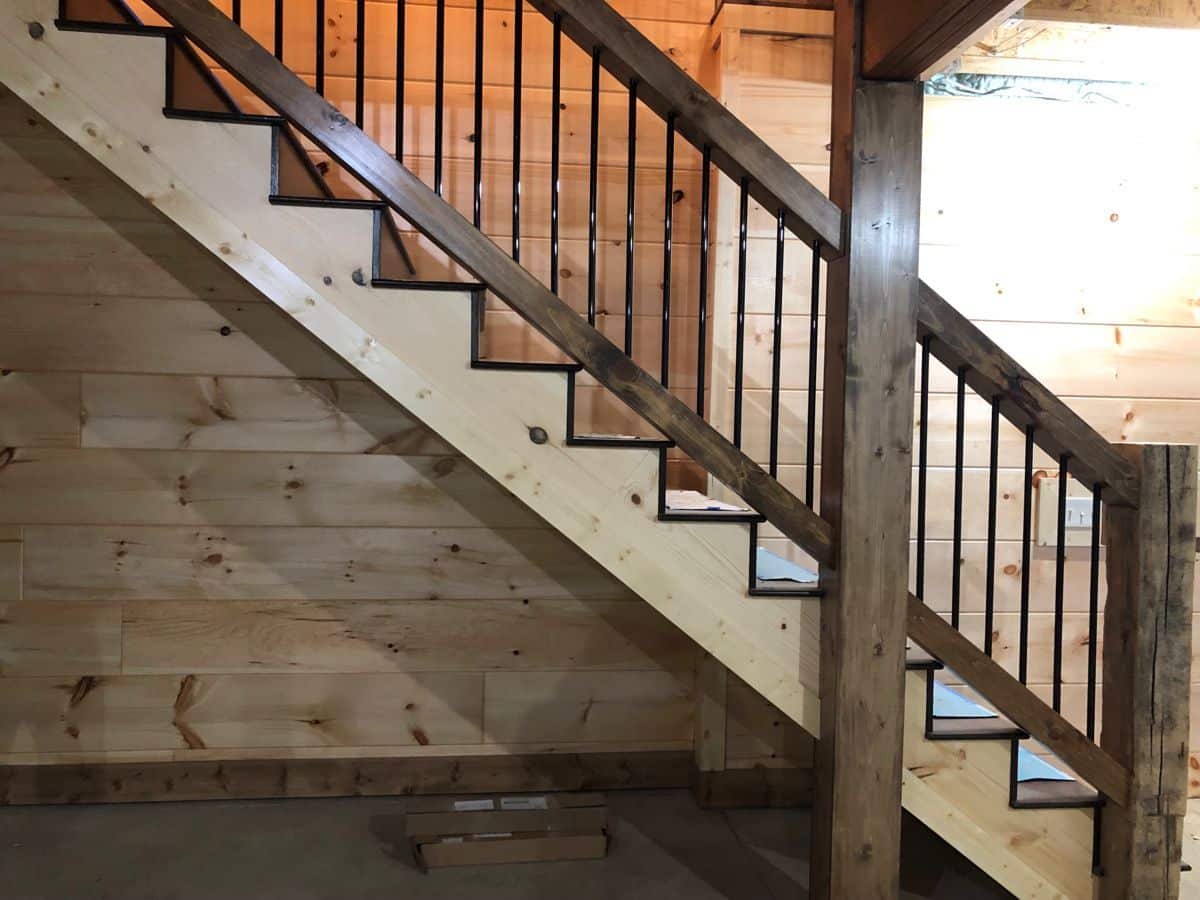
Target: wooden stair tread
[1054, 794]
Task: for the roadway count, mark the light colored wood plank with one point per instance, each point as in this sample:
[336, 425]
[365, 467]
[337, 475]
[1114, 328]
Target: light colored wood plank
[961, 789]
[82, 638]
[39, 410]
[712, 686]
[214, 413]
[334, 564]
[759, 735]
[119, 258]
[164, 712]
[575, 706]
[412, 636]
[58, 333]
[151, 487]
[1168, 13]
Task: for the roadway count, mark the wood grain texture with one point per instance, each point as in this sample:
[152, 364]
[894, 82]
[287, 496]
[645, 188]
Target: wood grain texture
[709, 739]
[135, 563]
[145, 487]
[39, 410]
[352, 777]
[903, 43]
[132, 412]
[81, 638]
[11, 553]
[219, 37]
[865, 493]
[1013, 700]
[1147, 676]
[409, 636]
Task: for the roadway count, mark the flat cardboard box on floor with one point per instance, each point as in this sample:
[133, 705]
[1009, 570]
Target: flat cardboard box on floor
[488, 830]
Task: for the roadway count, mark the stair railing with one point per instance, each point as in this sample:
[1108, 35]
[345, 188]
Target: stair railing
[1140, 533]
[732, 146]
[1148, 527]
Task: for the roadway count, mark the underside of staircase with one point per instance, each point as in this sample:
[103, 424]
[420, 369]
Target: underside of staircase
[215, 174]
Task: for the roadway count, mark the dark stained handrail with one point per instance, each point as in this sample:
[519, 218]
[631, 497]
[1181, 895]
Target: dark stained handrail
[287, 93]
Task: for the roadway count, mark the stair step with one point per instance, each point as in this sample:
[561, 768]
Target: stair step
[918, 660]
[973, 729]
[767, 589]
[333, 202]
[398, 284]
[237, 118]
[115, 27]
[1045, 794]
[617, 440]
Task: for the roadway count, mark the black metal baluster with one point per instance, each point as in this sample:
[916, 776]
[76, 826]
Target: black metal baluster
[777, 343]
[923, 465]
[555, 148]
[1060, 571]
[956, 558]
[1026, 558]
[320, 47]
[1094, 610]
[593, 188]
[477, 198]
[439, 96]
[360, 62]
[739, 351]
[668, 247]
[279, 30]
[989, 596]
[630, 220]
[702, 340]
[401, 43]
[518, 51]
[237, 12]
[814, 312]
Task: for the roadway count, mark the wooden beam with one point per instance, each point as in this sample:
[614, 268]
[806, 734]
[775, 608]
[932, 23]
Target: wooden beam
[1147, 670]
[866, 475]
[903, 41]
[447, 228]
[248, 779]
[993, 372]
[1017, 702]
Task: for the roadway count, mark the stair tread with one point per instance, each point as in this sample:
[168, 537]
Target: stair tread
[917, 659]
[1047, 793]
[968, 728]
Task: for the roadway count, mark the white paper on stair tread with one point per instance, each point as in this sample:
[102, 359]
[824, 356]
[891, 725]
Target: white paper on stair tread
[694, 500]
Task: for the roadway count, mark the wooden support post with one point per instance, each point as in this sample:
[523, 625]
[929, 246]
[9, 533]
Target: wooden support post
[1147, 673]
[866, 478]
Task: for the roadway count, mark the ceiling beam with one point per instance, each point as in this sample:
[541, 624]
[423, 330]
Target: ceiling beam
[908, 41]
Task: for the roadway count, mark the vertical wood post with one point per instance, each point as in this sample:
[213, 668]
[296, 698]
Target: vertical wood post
[1147, 673]
[871, 336]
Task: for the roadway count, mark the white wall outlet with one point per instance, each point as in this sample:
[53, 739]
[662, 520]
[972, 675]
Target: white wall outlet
[1080, 511]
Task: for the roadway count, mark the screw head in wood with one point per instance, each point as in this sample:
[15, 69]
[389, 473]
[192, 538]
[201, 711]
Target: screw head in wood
[358, 277]
[36, 30]
[538, 435]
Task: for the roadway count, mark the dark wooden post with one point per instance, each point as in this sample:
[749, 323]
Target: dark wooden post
[871, 334]
[1147, 673]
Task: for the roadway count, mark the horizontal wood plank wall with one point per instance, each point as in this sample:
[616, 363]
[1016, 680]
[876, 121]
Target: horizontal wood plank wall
[1081, 262]
[216, 543]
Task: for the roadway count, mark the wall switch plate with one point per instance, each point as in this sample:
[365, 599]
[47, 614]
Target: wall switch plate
[1080, 511]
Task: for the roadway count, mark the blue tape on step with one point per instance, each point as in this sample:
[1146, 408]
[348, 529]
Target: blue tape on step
[948, 704]
[1031, 767]
[772, 567]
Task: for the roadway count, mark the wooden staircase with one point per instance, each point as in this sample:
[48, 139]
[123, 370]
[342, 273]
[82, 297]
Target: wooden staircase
[112, 86]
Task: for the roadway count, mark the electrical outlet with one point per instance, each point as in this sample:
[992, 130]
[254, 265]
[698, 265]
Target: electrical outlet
[1080, 508]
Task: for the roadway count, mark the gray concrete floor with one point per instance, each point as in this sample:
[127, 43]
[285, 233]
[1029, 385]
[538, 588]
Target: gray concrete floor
[663, 848]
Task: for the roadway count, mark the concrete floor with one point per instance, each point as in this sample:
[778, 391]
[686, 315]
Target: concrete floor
[663, 848]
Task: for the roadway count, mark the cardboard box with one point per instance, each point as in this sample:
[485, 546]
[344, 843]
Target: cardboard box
[489, 830]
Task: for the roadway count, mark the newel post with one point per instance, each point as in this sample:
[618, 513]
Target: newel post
[1147, 673]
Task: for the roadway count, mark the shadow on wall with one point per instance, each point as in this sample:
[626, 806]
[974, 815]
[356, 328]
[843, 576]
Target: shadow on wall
[273, 558]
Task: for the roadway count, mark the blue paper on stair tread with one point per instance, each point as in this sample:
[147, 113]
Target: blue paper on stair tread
[1031, 767]
[948, 704]
[772, 567]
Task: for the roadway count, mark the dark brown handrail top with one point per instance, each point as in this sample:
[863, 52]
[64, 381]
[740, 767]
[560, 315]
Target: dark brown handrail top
[958, 342]
[703, 120]
[287, 93]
